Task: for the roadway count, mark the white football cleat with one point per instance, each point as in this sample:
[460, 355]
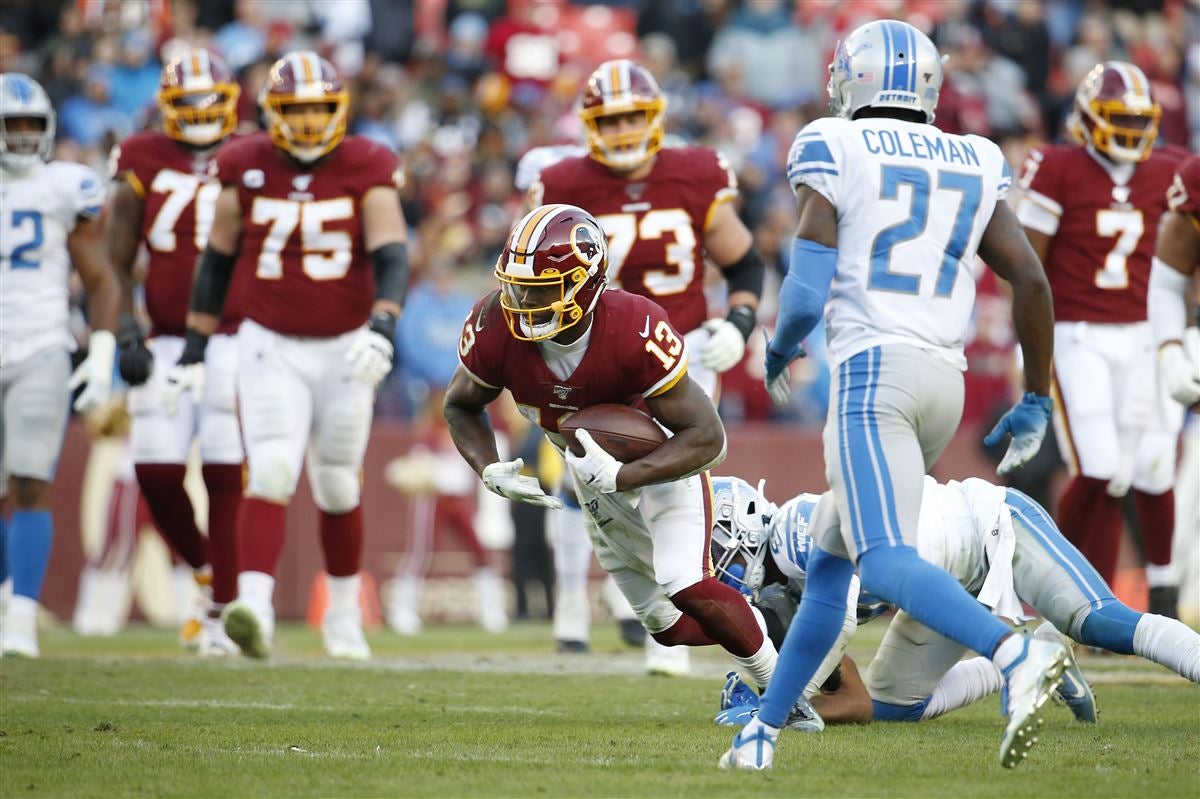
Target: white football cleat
[753, 748]
[1074, 692]
[1030, 681]
[667, 661]
[214, 642]
[18, 633]
[250, 630]
[343, 635]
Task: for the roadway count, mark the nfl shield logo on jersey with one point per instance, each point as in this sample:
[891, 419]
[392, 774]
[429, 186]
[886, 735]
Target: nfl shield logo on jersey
[562, 391]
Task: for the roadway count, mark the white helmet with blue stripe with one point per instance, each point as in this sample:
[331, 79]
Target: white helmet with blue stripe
[739, 535]
[885, 64]
[23, 97]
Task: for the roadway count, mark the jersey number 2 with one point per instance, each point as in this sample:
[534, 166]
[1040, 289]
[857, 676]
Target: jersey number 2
[883, 278]
[26, 224]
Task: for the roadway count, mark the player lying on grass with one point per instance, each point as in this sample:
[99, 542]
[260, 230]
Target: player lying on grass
[1004, 549]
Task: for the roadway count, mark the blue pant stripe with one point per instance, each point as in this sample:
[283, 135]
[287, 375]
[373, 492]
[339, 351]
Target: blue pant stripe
[844, 380]
[1083, 574]
[883, 477]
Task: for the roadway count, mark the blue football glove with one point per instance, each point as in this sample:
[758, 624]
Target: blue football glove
[1026, 422]
[777, 378]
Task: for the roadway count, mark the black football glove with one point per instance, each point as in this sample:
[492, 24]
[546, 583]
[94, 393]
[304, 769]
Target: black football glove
[136, 361]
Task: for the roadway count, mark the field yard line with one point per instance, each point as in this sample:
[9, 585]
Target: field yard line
[220, 704]
[525, 758]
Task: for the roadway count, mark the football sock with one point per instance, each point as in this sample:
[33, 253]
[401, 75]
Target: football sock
[761, 665]
[30, 536]
[342, 541]
[1169, 643]
[3, 548]
[1111, 626]
[1009, 651]
[1156, 517]
[967, 681]
[162, 487]
[723, 614]
[261, 529]
[811, 635]
[257, 590]
[224, 483]
[1091, 520]
[572, 560]
[900, 577]
[343, 592]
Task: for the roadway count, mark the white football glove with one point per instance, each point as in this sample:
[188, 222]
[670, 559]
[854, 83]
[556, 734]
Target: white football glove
[183, 378]
[725, 346]
[596, 468]
[505, 478]
[370, 357]
[96, 371]
[1180, 374]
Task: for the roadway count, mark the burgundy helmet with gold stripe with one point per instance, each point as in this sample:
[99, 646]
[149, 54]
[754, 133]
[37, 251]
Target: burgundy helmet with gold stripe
[621, 87]
[552, 270]
[197, 97]
[305, 105]
[1115, 113]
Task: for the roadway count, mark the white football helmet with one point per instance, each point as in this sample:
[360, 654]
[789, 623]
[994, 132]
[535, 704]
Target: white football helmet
[22, 96]
[740, 518]
[885, 64]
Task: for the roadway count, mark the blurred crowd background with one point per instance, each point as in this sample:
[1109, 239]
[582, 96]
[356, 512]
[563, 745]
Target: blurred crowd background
[462, 88]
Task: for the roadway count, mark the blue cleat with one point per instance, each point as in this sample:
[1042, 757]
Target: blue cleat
[735, 692]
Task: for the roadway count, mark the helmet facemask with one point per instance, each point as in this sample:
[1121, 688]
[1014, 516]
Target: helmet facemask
[199, 118]
[22, 150]
[308, 136]
[625, 151]
[740, 534]
[1119, 131]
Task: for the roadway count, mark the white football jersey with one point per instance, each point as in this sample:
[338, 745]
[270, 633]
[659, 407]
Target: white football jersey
[964, 528]
[38, 212]
[912, 204]
[539, 158]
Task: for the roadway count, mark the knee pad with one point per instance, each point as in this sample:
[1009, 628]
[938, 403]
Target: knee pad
[1154, 472]
[273, 480]
[336, 488]
[1111, 627]
[220, 437]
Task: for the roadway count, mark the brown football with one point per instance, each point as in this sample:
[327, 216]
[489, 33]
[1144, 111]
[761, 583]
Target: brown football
[623, 432]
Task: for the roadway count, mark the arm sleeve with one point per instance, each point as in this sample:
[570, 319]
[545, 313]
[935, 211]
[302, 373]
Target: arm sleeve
[812, 161]
[1166, 303]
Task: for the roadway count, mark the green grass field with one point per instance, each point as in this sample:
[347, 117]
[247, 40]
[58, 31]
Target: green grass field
[456, 712]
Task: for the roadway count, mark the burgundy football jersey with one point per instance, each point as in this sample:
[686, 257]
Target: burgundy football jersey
[301, 269]
[1184, 195]
[1099, 259]
[178, 199]
[655, 226]
[633, 353]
